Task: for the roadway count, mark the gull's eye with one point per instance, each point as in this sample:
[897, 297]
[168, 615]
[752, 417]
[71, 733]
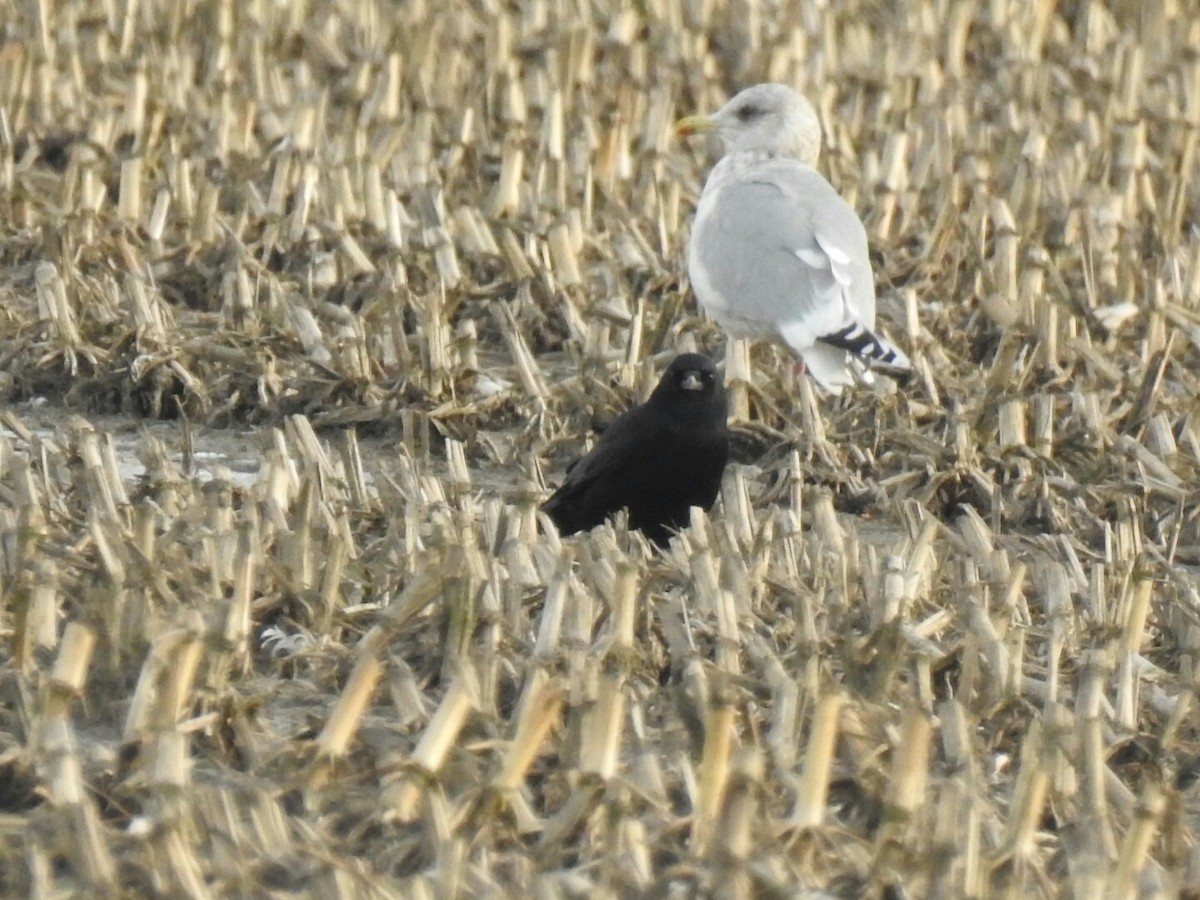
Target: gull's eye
[747, 112]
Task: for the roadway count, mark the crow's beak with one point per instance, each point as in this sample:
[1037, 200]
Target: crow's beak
[695, 125]
[692, 381]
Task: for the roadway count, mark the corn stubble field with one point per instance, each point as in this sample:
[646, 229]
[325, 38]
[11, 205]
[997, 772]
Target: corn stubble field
[937, 641]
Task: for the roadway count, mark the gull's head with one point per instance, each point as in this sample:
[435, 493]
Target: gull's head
[767, 118]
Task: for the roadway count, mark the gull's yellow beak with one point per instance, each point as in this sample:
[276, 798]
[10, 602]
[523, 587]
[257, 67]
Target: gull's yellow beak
[695, 125]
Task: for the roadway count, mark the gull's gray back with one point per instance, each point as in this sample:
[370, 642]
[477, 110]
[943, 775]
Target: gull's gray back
[774, 245]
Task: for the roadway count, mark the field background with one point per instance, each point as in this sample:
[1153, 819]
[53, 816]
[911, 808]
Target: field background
[933, 642]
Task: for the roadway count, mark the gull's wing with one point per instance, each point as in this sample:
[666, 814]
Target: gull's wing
[775, 245]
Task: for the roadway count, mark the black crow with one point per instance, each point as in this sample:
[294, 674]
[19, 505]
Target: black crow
[656, 460]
